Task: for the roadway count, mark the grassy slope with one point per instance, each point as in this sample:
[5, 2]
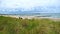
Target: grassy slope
[28, 26]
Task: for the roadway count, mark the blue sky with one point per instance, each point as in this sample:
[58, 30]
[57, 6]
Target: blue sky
[50, 6]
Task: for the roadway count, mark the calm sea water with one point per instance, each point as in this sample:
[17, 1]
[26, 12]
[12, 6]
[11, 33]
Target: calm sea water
[54, 15]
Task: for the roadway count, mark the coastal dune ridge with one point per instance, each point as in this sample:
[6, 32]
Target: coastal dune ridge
[18, 16]
[31, 17]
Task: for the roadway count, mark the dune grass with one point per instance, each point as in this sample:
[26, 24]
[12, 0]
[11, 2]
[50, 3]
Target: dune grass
[10, 25]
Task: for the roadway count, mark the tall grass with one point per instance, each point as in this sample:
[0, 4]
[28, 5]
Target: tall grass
[10, 25]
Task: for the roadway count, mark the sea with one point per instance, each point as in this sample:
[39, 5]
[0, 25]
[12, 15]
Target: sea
[54, 15]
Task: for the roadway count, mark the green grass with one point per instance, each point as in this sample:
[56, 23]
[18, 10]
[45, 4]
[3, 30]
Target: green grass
[10, 25]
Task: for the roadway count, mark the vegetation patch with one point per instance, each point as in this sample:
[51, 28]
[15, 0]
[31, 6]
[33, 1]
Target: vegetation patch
[10, 25]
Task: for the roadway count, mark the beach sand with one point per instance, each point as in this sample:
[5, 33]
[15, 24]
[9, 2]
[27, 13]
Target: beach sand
[31, 17]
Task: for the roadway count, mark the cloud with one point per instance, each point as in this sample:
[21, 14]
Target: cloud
[27, 5]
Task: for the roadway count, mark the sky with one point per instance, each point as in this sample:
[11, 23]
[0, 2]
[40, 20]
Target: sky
[45, 6]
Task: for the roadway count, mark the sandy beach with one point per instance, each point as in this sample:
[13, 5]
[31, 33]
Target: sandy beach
[31, 17]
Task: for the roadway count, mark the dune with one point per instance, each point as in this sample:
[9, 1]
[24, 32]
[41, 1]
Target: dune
[31, 17]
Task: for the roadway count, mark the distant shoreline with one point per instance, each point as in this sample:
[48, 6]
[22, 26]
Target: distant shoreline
[30, 17]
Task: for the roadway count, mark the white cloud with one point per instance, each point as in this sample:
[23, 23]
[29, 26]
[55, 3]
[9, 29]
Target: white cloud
[26, 3]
